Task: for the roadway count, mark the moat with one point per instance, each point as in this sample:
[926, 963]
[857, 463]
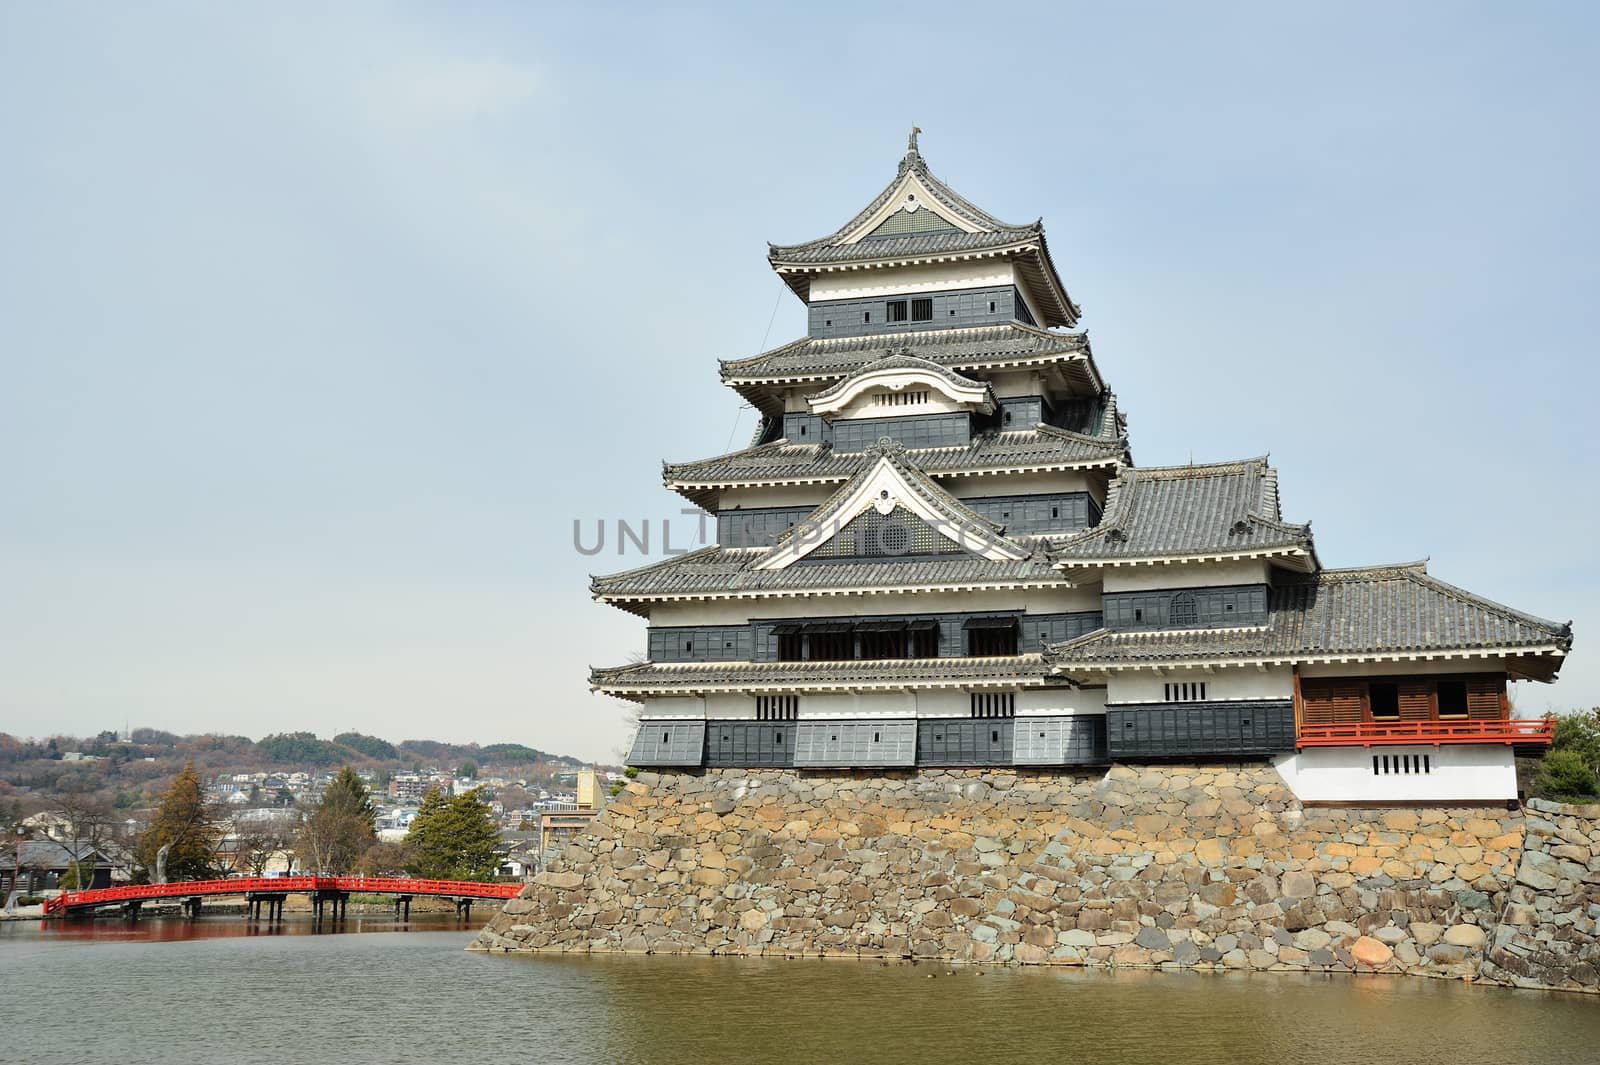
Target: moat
[210, 990]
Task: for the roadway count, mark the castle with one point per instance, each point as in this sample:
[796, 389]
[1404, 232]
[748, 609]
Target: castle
[937, 551]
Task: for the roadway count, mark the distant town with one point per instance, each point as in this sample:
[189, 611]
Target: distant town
[75, 808]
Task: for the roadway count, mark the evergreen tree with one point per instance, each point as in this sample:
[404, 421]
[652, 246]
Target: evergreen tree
[454, 838]
[339, 829]
[182, 835]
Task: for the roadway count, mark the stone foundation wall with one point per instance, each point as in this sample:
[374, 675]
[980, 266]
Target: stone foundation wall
[1210, 866]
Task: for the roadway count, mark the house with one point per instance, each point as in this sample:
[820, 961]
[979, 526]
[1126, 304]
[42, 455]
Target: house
[39, 865]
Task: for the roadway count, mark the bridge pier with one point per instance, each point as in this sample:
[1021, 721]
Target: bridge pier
[273, 902]
[191, 908]
[130, 909]
[463, 909]
[335, 903]
[402, 908]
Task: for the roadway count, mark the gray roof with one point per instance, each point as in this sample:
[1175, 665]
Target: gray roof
[686, 677]
[904, 361]
[978, 347]
[1371, 611]
[715, 572]
[992, 235]
[50, 854]
[1042, 447]
[1174, 511]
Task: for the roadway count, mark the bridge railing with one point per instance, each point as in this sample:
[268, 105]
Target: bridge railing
[240, 885]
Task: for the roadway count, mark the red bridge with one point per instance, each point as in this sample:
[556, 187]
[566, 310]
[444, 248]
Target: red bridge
[269, 891]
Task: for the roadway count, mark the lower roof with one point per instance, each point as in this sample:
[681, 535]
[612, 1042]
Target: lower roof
[694, 678]
[1041, 448]
[732, 573]
[1393, 613]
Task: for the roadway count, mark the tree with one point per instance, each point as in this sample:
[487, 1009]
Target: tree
[454, 838]
[90, 827]
[385, 859]
[1580, 734]
[467, 770]
[340, 827]
[1566, 775]
[263, 839]
[182, 833]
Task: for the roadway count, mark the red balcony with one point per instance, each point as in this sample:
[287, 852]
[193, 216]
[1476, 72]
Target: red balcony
[1519, 731]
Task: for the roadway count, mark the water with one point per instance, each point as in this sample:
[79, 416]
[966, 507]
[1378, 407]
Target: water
[210, 991]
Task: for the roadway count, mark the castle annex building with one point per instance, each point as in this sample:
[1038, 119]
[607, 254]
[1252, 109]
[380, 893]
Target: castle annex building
[938, 551]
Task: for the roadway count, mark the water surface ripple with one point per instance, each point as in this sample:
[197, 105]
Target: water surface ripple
[208, 991]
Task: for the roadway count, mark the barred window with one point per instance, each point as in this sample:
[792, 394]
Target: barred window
[922, 310]
[994, 704]
[897, 310]
[777, 707]
[1182, 611]
[1186, 692]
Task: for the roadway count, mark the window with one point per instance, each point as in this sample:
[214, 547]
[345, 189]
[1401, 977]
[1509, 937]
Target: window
[1183, 610]
[832, 646]
[922, 310]
[1452, 698]
[896, 311]
[1388, 765]
[994, 704]
[1185, 692]
[790, 648]
[900, 399]
[987, 640]
[991, 306]
[866, 316]
[777, 708]
[1385, 701]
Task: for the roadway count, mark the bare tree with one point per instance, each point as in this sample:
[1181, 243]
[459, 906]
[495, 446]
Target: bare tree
[91, 825]
[259, 841]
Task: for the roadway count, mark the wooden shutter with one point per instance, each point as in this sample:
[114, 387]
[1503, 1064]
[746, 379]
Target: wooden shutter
[1483, 697]
[1416, 700]
[1331, 702]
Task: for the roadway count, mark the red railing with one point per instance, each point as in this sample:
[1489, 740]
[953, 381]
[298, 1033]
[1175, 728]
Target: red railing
[239, 885]
[1380, 733]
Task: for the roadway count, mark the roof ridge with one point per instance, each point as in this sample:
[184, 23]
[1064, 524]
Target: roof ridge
[911, 163]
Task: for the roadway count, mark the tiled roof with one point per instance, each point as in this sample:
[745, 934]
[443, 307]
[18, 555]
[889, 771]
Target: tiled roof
[989, 235]
[685, 677]
[1173, 511]
[1374, 611]
[907, 245]
[966, 348]
[1042, 447]
[721, 572]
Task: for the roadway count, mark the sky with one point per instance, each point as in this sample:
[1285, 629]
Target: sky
[321, 325]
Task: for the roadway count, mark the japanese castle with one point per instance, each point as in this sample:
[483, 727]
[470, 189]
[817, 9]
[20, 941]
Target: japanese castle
[937, 551]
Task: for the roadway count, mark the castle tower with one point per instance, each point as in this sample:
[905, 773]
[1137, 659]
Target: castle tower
[936, 551]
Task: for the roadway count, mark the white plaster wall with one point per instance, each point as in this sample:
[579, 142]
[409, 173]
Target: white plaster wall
[1230, 683]
[673, 706]
[1464, 773]
[1008, 385]
[794, 495]
[865, 704]
[1019, 484]
[864, 406]
[736, 612]
[933, 277]
[1061, 701]
[1185, 575]
[942, 703]
[730, 706]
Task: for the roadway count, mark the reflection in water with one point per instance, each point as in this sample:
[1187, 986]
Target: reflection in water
[200, 992]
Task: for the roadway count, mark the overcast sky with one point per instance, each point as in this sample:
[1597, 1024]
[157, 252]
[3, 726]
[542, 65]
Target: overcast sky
[320, 326]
